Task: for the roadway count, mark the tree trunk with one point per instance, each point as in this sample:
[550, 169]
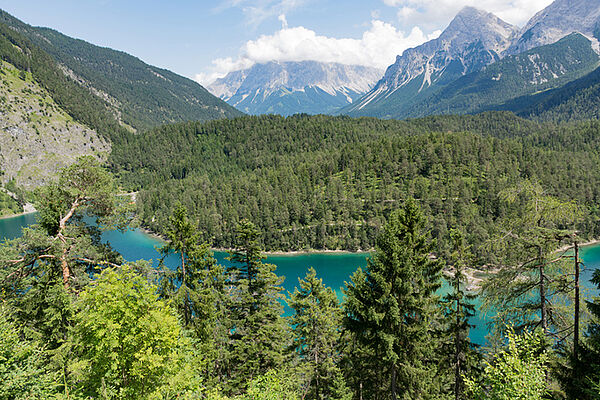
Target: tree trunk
[544, 321]
[360, 387]
[182, 267]
[66, 273]
[186, 311]
[457, 342]
[576, 322]
[393, 382]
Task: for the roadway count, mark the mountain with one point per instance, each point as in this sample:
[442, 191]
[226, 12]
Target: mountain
[47, 120]
[140, 95]
[578, 100]
[288, 88]
[558, 20]
[535, 71]
[473, 40]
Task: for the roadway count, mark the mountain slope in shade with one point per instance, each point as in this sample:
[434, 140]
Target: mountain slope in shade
[578, 100]
[141, 95]
[473, 40]
[558, 20]
[535, 71]
[288, 88]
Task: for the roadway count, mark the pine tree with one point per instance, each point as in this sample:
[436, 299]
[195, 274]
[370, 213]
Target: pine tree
[258, 332]
[459, 309]
[316, 322]
[196, 288]
[391, 310]
[43, 270]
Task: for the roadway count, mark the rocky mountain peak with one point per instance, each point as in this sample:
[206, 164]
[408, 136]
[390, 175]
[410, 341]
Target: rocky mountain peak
[473, 39]
[289, 87]
[472, 24]
[558, 20]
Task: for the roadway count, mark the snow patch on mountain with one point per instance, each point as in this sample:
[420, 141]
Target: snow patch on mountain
[248, 89]
[558, 20]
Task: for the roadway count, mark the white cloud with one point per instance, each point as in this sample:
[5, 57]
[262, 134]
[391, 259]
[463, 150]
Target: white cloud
[378, 47]
[257, 11]
[436, 14]
[283, 19]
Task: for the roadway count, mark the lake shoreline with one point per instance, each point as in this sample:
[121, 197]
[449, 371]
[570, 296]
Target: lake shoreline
[567, 247]
[18, 215]
[293, 253]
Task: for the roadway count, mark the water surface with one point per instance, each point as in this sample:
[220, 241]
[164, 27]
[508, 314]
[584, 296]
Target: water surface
[334, 268]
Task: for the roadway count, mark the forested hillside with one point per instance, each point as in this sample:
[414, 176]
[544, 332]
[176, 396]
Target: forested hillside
[576, 101]
[534, 71]
[331, 182]
[140, 95]
[78, 322]
[77, 101]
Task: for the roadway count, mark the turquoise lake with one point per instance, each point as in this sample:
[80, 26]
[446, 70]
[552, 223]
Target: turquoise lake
[334, 268]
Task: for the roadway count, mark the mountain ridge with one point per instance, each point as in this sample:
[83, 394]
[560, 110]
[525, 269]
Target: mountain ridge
[558, 20]
[465, 46]
[140, 95]
[290, 87]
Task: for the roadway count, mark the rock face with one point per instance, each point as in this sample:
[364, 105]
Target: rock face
[512, 82]
[288, 88]
[37, 137]
[558, 20]
[473, 40]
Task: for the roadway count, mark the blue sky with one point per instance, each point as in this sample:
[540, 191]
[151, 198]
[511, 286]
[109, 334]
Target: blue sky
[205, 39]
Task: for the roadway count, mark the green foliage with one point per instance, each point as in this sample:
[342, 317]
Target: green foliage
[130, 342]
[23, 374]
[259, 334]
[330, 183]
[517, 373]
[141, 95]
[391, 311]
[270, 386]
[316, 326]
[531, 287]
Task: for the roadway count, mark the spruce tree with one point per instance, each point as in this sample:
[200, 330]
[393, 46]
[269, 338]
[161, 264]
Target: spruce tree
[258, 332]
[196, 288]
[391, 310]
[316, 326]
[460, 353]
